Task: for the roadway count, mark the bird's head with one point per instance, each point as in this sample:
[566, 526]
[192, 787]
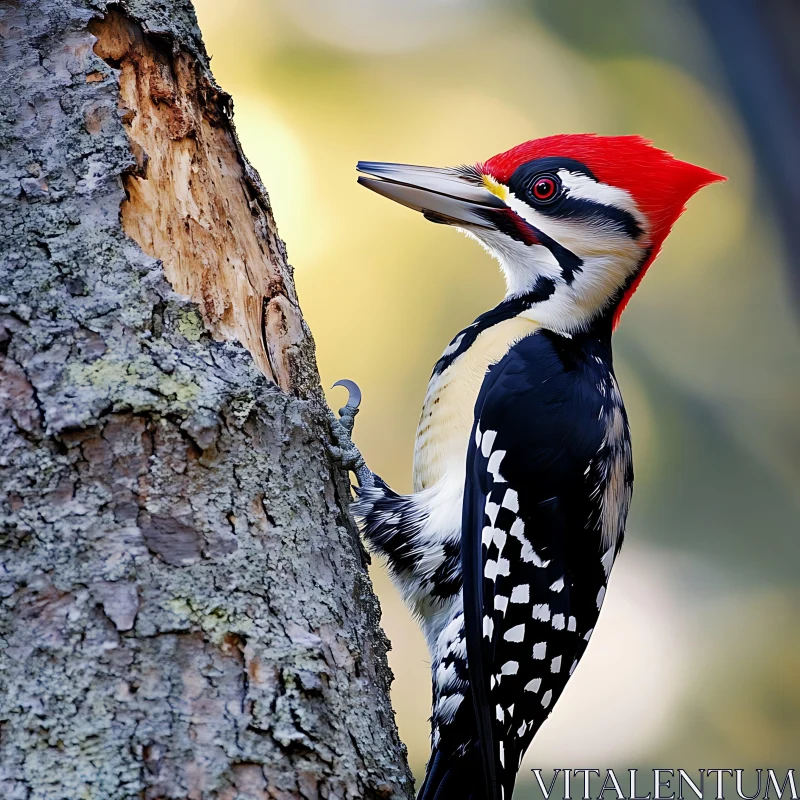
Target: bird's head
[574, 220]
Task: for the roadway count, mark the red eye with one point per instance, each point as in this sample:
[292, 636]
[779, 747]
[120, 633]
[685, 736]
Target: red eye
[544, 188]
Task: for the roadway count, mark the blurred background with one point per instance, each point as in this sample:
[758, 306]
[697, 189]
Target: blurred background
[696, 659]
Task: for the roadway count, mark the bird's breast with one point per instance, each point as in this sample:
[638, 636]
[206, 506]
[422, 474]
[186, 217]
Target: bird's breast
[448, 411]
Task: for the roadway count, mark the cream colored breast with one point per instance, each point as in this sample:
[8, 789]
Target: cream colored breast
[448, 411]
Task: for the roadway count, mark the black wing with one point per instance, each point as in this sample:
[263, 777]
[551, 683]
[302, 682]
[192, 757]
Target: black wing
[532, 556]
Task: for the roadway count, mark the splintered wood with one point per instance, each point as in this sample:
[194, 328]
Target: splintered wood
[193, 201]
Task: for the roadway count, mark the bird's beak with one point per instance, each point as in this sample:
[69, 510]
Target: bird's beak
[453, 196]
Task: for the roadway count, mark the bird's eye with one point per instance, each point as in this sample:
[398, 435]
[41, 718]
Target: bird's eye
[544, 188]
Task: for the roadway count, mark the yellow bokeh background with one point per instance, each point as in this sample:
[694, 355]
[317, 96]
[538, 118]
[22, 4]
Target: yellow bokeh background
[696, 656]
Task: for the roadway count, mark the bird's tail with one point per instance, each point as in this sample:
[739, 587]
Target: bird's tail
[455, 777]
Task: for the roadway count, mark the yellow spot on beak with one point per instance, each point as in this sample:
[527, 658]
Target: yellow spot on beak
[495, 187]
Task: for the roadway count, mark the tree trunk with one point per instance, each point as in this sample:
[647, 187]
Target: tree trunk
[757, 44]
[185, 607]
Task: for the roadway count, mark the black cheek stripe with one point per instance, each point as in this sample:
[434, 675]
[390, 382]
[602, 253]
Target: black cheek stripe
[515, 227]
[567, 260]
[579, 208]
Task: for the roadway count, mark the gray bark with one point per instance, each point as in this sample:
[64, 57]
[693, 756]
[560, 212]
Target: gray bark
[185, 607]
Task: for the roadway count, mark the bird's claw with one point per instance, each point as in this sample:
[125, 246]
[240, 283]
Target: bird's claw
[344, 451]
[347, 414]
[353, 393]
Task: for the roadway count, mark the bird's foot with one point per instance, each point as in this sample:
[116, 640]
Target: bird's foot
[344, 451]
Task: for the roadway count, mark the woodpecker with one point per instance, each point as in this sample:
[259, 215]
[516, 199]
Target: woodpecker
[523, 472]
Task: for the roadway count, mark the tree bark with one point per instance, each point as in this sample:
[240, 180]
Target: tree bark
[185, 607]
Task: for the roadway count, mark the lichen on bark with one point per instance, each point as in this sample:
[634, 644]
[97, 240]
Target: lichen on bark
[185, 607]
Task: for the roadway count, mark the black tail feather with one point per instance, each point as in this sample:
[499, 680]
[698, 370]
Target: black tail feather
[454, 777]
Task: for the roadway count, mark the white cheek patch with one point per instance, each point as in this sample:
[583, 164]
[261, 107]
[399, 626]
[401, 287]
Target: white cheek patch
[521, 263]
[608, 257]
[510, 251]
[587, 239]
[585, 188]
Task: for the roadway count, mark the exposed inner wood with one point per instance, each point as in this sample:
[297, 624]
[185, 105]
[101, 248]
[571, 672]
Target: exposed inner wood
[195, 204]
